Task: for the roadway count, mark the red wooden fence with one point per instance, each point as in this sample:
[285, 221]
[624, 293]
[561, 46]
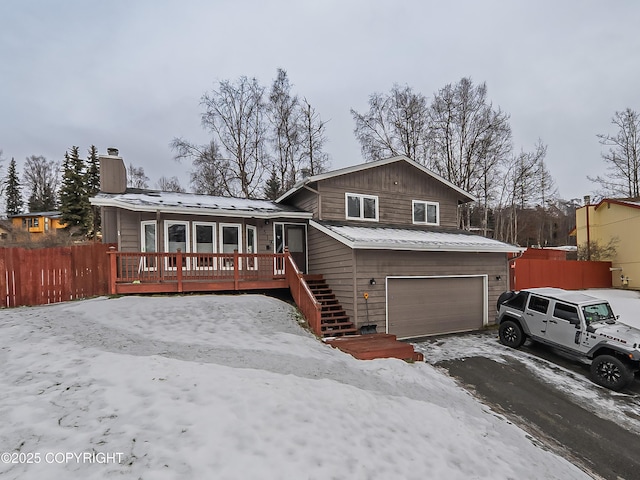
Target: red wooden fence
[567, 274]
[50, 275]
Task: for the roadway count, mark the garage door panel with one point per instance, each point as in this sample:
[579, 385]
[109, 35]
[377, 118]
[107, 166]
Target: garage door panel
[429, 306]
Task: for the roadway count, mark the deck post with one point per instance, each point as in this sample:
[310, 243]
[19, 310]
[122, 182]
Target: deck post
[113, 269]
[236, 269]
[179, 267]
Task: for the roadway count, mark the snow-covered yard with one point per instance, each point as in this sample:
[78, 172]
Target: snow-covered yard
[230, 387]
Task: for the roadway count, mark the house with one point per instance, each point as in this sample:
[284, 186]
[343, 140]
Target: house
[377, 242]
[616, 222]
[38, 223]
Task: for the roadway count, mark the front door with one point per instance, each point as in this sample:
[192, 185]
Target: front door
[294, 238]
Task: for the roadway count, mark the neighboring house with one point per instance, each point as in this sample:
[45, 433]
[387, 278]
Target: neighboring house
[617, 221]
[38, 223]
[383, 235]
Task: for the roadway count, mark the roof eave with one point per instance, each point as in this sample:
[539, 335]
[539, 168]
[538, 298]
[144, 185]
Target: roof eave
[199, 211]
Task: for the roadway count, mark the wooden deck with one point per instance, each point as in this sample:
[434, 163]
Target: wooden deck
[377, 345]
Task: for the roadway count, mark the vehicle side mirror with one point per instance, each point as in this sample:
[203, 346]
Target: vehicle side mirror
[575, 321]
[590, 329]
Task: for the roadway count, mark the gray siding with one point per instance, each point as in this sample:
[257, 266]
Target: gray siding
[335, 261]
[396, 185]
[379, 264]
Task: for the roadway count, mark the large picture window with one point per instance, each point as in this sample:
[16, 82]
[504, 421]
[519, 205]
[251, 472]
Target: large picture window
[426, 213]
[204, 242]
[176, 236]
[361, 207]
[230, 240]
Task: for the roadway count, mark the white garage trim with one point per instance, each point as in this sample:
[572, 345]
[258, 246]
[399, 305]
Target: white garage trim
[485, 293]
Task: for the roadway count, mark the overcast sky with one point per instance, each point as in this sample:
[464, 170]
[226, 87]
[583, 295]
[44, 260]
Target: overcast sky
[130, 73]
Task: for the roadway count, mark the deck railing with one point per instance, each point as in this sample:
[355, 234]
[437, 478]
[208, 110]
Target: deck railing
[182, 272]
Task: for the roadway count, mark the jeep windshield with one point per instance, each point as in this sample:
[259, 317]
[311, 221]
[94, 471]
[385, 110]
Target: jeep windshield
[600, 312]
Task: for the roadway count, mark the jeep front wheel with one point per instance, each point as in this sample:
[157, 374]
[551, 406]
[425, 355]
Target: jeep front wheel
[611, 372]
[511, 334]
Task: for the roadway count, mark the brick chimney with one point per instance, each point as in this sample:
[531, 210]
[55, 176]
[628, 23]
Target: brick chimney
[113, 174]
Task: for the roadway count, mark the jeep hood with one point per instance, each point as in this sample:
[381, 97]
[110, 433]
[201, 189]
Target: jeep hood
[619, 333]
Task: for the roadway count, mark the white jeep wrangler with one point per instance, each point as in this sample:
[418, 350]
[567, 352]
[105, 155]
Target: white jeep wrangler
[574, 322]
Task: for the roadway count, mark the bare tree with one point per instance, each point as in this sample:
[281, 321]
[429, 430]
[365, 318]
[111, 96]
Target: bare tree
[166, 184]
[136, 177]
[623, 156]
[284, 115]
[235, 113]
[41, 178]
[314, 159]
[468, 139]
[210, 171]
[519, 189]
[396, 124]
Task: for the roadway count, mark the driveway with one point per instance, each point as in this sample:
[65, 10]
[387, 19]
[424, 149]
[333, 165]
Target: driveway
[549, 395]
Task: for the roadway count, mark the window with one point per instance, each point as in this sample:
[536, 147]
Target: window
[176, 236]
[230, 235]
[204, 242]
[565, 312]
[361, 207]
[519, 301]
[252, 247]
[148, 244]
[538, 304]
[426, 213]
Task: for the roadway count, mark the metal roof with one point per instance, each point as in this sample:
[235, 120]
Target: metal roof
[394, 237]
[194, 204]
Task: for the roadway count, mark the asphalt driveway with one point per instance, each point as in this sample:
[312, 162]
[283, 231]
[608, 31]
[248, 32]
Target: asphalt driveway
[549, 395]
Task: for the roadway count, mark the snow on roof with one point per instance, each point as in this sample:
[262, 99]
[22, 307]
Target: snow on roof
[396, 238]
[633, 203]
[191, 203]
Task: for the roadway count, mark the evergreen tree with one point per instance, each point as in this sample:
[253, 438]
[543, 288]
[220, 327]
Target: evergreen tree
[74, 200]
[273, 189]
[92, 182]
[14, 196]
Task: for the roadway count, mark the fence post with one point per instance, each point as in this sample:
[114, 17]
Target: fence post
[236, 272]
[179, 267]
[113, 269]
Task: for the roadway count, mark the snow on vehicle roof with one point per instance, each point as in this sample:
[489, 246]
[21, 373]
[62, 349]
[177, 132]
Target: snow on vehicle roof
[565, 295]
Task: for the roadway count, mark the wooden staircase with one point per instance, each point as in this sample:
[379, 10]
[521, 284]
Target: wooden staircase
[334, 320]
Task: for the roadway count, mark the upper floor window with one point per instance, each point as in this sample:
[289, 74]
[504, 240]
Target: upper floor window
[426, 213]
[361, 207]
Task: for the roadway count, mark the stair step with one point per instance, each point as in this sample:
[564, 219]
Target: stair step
[334, 318]
[340, 333]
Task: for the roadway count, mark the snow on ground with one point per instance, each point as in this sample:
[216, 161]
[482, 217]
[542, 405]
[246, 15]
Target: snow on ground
[616, 406]
[231, 387]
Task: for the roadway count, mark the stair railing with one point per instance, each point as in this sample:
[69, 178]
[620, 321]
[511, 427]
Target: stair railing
[302, 295]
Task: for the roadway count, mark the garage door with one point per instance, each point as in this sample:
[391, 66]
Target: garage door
[419, 306]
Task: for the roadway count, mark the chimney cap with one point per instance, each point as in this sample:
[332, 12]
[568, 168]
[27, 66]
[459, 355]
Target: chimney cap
[112, 151]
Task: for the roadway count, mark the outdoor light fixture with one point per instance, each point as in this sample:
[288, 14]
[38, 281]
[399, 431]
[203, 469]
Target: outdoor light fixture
[266, 222]
[372, 281]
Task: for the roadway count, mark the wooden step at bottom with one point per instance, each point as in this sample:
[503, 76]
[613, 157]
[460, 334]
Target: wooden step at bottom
[379, 345]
